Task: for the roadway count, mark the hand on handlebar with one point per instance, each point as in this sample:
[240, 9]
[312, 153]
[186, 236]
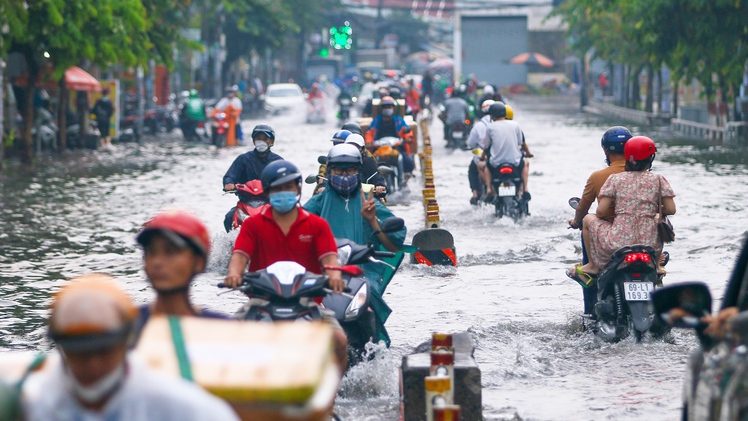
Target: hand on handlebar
[573, 224]
[232, 281]
[229, 187]
[335, 281]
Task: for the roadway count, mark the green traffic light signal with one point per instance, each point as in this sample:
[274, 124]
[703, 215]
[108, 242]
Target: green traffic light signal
[324, 52]
[341, 37]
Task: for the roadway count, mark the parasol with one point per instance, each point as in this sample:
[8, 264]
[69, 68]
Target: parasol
[532, 58]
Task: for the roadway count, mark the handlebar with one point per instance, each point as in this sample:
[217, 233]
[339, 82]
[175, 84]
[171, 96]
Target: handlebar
[377, 253]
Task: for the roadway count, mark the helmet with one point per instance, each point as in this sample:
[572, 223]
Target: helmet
[497, 109]
[193, 93]
[265, 129]
[639, 148]
[484, 107]
[340, 136]
[387, 100]
[352, 127]
[91, 313]
[509, 112]
[615, 138]
[180, 227]
[395, 92]
[344, 155]
[488, 90]
[356, 139]
[279, 172]
[232, 88]
[462, 89]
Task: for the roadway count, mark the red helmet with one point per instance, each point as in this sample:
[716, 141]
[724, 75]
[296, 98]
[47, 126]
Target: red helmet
[178, 226]
[639, 148]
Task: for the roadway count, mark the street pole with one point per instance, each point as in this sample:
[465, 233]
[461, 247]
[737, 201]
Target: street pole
[457, 48]
[2, 112]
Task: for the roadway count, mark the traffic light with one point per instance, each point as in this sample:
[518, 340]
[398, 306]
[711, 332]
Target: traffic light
[324, 52]
[341, 37]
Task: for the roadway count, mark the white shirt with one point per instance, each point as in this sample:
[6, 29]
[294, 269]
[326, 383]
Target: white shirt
[504, 142]
[235, 102]
[145, 396]
[477, 138]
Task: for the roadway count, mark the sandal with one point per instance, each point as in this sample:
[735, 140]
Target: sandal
[489, 198]
[581, 277]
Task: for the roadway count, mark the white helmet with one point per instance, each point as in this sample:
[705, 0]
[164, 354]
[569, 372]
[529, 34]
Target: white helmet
[355, 139]
[488, 90]
[486, 105]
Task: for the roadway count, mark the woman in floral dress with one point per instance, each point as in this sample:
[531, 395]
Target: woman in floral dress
[635, 195]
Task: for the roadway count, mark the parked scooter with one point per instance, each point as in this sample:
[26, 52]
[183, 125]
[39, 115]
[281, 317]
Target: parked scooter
[251, 200]
[623, 291]
[45, 130]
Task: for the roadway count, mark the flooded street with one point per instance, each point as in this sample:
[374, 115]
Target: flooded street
[80, 214]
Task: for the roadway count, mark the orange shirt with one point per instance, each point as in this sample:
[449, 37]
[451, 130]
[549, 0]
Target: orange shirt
[596, 181]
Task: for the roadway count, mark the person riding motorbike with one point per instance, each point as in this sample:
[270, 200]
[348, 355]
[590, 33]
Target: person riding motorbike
[369, 167]
[232, 106]
[413, 99]
[389, 124]
[91, 323]
[368, 109]
[338, 138]
[455, 110]
[636, 195]
[191, 114]
[176, 246]
[504, 144]
[249, 165]
[355, 216]
[315, 92]
[345, 95]
[477, 139]
[352, 127]
[284, 231]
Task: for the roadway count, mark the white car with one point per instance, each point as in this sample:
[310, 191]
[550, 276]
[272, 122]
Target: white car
[281, 97]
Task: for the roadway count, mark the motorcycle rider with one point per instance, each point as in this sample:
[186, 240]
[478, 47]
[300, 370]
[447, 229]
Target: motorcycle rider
[91, 323]
[389, 124]
[477, 139]
[284, 231]
[249, 165]
[356, 216]
[352, 127]
[505, 145]
[454, 110]
[338, 138]
[369, 167]
[413, 99]
[191, 114]
[612, 143]
[345, 94]
[176, 246]
[232, 106]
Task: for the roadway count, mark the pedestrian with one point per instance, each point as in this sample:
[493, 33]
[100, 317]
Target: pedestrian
[103, 109]
[91, 323]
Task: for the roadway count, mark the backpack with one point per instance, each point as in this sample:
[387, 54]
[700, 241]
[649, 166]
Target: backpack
[194, 109]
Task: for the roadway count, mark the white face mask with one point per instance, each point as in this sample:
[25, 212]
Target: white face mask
[388, 112]
[261, 146]
[102, 388]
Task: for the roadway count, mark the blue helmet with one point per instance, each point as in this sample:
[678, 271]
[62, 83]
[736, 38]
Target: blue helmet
[340, 136]
[614, 138]
[279, 172]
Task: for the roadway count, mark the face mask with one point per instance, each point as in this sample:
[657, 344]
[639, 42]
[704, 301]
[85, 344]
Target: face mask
[102, 388]
[283, 201]
[261, 146]
[344, 184]
[388, 112]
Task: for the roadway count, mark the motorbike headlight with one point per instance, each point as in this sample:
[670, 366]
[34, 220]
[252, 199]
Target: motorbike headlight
[242, 215]
[344, 253]
[359, 299]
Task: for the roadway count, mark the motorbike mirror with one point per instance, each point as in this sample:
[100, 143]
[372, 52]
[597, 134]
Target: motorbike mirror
[384, 170]
[693, 298]
[311, 179]
[574, 202]
[322, 159]
[392, 224]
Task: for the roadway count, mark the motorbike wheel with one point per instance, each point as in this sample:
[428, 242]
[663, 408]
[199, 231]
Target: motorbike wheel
[392, 184]
[219, 140]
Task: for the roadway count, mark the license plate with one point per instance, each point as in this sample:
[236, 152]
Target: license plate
[638, 291]
[507, 190]
[457, 134]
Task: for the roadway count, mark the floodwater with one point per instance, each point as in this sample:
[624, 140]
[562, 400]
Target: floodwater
[70, 216]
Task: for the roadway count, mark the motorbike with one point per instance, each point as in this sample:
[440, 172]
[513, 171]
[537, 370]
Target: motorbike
[192, 130]
[219, 128]
[345, 105]
[128, 129]
[45, 130]
[507, 186]
[457, 135]
[251, 200]
[315, 111]
[89, 139]
[622, 294]
[161, 118]
[387, 155]
[353, 311]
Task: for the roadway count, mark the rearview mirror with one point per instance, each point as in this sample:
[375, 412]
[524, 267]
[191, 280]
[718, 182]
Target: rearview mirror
[392, 224]
[384, 170]
[692, 297]
[574, 202]
[311, 179]
[322, 159]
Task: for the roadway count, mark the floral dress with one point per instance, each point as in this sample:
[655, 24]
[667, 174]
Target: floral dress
[635, 195]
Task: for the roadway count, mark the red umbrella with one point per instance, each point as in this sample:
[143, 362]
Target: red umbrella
[77, 79]
[532, 58]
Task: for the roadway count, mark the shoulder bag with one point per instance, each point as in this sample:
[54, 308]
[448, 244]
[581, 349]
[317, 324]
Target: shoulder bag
[664, 227]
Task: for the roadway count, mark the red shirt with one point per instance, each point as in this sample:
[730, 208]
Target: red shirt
[308, 241]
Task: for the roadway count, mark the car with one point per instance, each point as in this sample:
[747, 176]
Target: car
[716, 383]
[281, 97]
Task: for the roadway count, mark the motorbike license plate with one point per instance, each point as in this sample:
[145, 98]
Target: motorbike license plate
[457, 135]
[507, 190]
[638, 291]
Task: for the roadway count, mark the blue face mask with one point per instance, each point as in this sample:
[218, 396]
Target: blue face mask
[283, 201]
[344, 184]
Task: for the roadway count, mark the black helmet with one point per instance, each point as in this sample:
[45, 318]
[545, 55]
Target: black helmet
[497, 109]
[615, 138]
[352, 127]
[343, 155]
[279, 172]
[395, 92]
[265, 129]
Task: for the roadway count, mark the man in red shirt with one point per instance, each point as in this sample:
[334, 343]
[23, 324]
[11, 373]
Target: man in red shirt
[284, 231]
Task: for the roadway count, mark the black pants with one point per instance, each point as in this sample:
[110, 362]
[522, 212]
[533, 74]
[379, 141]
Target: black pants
[474, 177]
[228, 220]
[589, 294]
